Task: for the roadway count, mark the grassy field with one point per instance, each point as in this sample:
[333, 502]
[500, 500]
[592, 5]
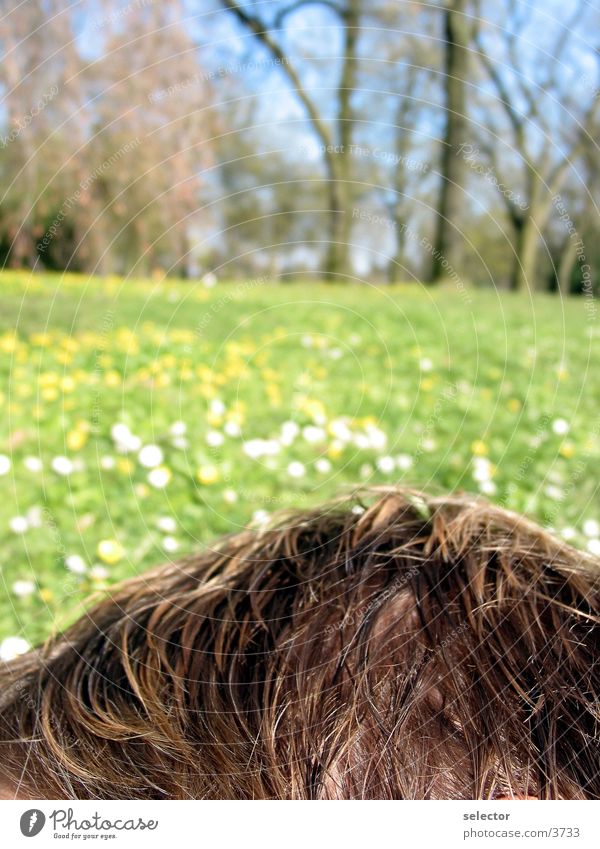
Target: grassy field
[141, 418]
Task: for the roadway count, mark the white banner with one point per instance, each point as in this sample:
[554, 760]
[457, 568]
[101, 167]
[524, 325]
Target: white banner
[310, 825]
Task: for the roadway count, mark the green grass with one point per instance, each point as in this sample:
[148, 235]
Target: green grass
[446, 377]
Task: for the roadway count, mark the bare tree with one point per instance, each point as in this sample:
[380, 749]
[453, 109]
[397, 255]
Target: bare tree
[457, 40]
[336, 136]
[546, 146]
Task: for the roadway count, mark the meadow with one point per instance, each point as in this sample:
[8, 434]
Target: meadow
[140, 418]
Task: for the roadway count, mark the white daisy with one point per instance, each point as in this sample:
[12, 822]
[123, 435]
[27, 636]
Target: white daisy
[214, 438]
[62, 466]
[166, 524]
[385, 464]
[560, 426]
[159, 478]
[170, 544]
[323, 465]
[591, 528]
[256, 448]
[23, 588]
[4, 464]
[593, 546]
[404, 461]
[18, 524]
[76, 564]
[178, 429]
[232, 429]
[150, 456]
[33, 464]
[12, 647]
[296, 469]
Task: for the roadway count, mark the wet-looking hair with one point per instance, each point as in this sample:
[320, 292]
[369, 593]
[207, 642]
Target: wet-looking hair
[412, 648]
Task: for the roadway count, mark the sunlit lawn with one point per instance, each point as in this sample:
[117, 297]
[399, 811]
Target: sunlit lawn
[142, 418]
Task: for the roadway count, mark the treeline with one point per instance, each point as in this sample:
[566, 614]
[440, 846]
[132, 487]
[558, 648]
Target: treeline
[341, 138]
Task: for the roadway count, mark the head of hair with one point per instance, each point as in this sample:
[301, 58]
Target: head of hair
[393, 645]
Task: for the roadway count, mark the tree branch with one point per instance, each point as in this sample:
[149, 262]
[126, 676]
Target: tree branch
[264, 35]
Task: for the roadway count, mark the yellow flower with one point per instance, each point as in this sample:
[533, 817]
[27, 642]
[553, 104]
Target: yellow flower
[46, 594]
[208, 474]
[49, 393]
[427, 384]
[112, 378]
[567, 449]
[514, 405]
[110, 551]
[76, 439]
[125, 465]
[479, 448]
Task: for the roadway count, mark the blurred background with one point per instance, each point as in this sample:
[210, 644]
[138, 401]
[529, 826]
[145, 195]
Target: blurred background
[254, 253]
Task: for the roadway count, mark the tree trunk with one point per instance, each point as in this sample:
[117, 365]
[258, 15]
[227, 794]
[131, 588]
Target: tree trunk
[568, 260]
[338, 262]
[448, 242]
[525, 248]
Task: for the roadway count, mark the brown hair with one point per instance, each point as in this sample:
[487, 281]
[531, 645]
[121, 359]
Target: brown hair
[399, 646]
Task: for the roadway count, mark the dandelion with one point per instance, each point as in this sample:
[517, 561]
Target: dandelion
[12, 647]
[560, 427]
[76, 439]
[166, 524]
[23, 588]
[159, 477]
[567, 450]
[76, 564]
[296, 469]
[150, 456]
[4, 464]
[33, 464]
[208, 474]
[18, 524]
[479, 448]
[62, 466]
[110, 551]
